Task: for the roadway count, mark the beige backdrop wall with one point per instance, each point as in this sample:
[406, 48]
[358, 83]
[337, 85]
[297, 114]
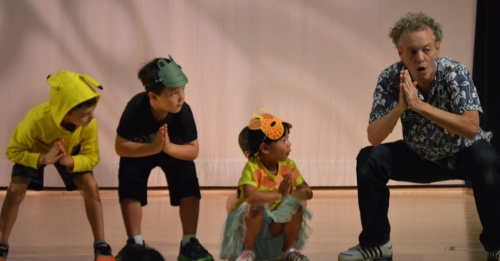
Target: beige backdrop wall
[312, 63]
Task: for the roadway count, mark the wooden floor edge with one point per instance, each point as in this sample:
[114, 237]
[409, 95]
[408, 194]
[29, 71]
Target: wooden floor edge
[395, 188]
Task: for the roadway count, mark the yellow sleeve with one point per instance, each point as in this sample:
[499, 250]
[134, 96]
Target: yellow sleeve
[247, 177]
[88, 157]
[20, 145]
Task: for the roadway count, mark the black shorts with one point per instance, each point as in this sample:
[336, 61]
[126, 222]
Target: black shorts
[133, 176]
[35, 176]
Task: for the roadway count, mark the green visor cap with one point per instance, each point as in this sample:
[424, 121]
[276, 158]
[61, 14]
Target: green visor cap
[171, 74]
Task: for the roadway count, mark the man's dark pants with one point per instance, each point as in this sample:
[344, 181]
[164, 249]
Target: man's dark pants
[478, 163]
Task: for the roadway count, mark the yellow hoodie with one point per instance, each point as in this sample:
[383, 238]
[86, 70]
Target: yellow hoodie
[41, 127]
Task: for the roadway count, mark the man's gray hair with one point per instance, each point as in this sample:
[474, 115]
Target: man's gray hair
[413, 22]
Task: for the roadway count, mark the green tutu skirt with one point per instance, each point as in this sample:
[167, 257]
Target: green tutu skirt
[267, 247]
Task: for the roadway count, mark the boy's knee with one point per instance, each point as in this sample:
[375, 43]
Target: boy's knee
[87, 185]
[17, 191]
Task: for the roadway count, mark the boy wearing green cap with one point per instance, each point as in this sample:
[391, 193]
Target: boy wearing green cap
[157, 129]
[62, 132]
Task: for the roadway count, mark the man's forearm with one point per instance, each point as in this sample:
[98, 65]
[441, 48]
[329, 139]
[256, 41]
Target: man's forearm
[465, 125]
[379, 130]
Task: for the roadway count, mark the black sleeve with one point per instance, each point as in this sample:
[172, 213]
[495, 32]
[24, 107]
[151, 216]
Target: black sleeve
[128, 121]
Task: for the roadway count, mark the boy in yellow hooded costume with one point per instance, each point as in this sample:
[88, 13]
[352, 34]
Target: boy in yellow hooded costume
[62, 132]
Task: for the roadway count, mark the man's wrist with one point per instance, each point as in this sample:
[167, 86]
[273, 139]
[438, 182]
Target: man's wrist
[400, 109]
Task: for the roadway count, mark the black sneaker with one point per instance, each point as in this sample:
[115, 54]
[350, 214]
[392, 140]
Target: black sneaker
[132, 241]
[4, 250]
[102, 252]
[194, 251]
[130, 247]
[131, 250]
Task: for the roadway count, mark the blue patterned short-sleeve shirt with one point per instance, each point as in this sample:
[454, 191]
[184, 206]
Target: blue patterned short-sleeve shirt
[452, 91]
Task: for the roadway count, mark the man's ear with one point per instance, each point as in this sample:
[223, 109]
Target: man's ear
[400, 52]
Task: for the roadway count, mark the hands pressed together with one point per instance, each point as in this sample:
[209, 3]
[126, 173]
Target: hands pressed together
[162, 141]
[57, 153]
[286, 187]
[408, 94]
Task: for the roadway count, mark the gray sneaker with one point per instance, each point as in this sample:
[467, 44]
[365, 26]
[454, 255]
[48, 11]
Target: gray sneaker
[494, 255]
[359, 253]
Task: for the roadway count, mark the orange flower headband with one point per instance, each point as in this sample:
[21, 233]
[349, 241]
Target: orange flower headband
[270, 125]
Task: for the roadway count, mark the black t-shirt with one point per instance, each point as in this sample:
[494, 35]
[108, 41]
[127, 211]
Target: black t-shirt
[138, 124]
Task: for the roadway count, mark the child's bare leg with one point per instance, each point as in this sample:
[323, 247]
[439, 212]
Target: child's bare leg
[291, 230]
[275, 229]
[253, 223]
[189, 210]
[132, 216]
[15, 195]
[90, 193]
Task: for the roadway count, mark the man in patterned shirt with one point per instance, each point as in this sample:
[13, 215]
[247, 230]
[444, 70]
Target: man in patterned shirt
[439, 109]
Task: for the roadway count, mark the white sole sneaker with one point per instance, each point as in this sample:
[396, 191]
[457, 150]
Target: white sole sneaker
[358, 253]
